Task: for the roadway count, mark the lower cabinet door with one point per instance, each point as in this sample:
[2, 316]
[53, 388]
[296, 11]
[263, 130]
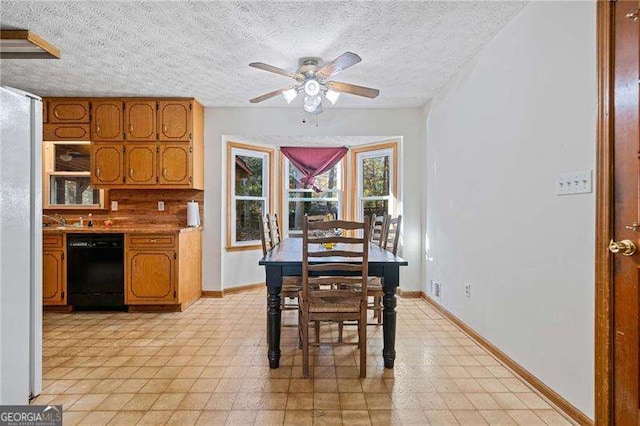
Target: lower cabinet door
[54, 283]
[150, 277]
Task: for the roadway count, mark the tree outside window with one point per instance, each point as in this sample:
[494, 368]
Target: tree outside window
[303, 200]
[249, 193]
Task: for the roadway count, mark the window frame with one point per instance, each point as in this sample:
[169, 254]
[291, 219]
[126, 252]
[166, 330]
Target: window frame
[235, 149]
[48, 171]
[285, 165]
[371, 151]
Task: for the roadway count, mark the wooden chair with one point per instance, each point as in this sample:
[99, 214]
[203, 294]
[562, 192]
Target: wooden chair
[389, 242]
[274, 228]
[347, 302]
[265, 234]
[377, 228]
[270, 236]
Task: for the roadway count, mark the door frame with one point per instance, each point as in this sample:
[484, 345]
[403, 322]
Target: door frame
[604, 215]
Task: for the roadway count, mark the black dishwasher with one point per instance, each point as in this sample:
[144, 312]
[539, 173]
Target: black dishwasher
[95, 271]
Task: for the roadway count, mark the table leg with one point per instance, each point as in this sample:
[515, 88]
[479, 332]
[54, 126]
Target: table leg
[273, 325]
[389, 326]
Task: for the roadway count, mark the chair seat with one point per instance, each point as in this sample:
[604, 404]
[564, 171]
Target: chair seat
[319, 303]
[291, 285]
[291, 280]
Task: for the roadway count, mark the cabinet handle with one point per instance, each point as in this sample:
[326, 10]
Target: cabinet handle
[130, 128]
[98, 172]
[164, 173]
[164, 128]
[97, 126]
[153, 241]
[130, 172]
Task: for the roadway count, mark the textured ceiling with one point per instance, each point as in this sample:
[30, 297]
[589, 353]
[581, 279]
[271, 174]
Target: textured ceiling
[147, 48]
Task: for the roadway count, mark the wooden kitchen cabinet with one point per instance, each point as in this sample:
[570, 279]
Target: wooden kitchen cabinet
[140, 120]
[106, 164]
[174, 120]
[107, 120]
[141, 143]
[163, 269]
[68, 111]
[174, 164]
[151, 277]
[54, 280]
[140, 164]
[65, 132]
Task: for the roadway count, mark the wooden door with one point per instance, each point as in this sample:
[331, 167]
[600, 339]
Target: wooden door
[174, 120]
[626, 215]
[140, 120]
[106, 121]
[106, 164]
[150, 277]
[140, 164]
[54, 282]
[68, 111]
[174, 163]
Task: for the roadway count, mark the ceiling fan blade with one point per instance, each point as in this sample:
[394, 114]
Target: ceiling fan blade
[271, 68]
[352, 89]
[341, 63]
[270, 95]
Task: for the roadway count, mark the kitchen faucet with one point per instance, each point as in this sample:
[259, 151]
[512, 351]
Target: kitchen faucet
[61, 220]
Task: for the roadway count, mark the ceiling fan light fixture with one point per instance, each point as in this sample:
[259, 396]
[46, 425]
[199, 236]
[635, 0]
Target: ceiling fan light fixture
[289, 95]
[66, 157]
[332, 96]
[311, 103]
[311, 87]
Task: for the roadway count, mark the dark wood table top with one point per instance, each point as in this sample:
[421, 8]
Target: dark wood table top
[289, 252]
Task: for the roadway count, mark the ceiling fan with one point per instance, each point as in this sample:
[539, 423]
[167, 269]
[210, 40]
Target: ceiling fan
[70, 155]
[313, 79]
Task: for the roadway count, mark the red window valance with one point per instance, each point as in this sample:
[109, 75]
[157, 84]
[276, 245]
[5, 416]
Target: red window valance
[313, 161]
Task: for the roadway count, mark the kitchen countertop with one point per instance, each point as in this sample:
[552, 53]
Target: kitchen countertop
[125, 229]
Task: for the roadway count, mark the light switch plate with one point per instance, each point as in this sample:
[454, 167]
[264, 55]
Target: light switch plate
[574, 183]
[114, 206]
[160, 206]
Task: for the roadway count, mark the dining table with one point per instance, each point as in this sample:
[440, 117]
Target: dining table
[285, 259]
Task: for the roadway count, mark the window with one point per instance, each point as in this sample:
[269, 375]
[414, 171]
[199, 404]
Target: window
[376, 179]
[67, 180]
[249, 176]
[300, 200]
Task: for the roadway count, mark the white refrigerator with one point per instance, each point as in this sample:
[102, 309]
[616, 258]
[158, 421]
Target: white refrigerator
[20, 246]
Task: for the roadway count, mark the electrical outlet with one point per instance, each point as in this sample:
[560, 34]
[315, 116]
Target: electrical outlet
[574, 183]
[114, 206]
[160, 206]
[435, 289]
[467, 290]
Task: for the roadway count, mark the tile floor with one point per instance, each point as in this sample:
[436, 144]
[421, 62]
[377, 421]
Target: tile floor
[208, 366]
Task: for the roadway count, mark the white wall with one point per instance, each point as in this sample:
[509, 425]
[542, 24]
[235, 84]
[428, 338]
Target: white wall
[522, 113]
[231, 269]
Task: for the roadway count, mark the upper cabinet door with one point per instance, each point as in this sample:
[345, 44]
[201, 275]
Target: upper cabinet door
[140, 120]
[174, 164]
[174, 120]
[140, 164]
[69, 111]
[106, 122]
[106, 164]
